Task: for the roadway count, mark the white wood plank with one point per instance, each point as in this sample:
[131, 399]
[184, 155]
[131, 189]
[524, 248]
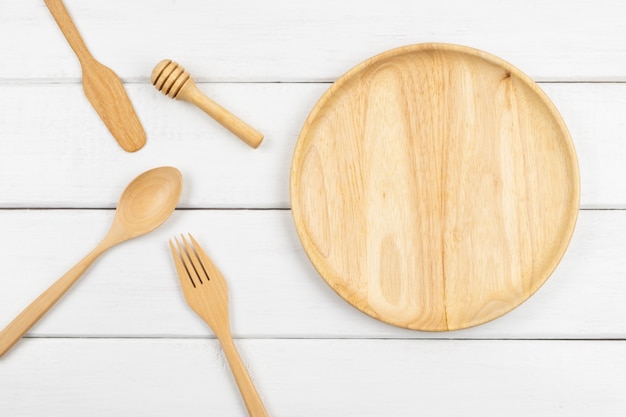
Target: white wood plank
[281, 40]
[57, 153]
[592, 113]
[275, 292]
[74, 377]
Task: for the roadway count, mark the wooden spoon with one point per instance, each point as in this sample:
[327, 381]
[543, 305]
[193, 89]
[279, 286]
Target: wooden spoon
[102, 86]
[144, 205]
[175, 82]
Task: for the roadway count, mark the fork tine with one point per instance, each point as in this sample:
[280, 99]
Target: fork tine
[180, 268]
[208, 265]
[187, 262]
[197, 263]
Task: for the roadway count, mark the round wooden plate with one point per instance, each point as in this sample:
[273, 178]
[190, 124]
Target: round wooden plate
[435, 187]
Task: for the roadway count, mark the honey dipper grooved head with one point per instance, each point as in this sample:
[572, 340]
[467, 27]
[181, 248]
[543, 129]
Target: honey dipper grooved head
[168, 77]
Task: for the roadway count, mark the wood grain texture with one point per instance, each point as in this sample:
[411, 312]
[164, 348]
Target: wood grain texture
[280, 56]
[133, 291]
[62, 161]
[413, 377]
[435, 187]
[282, 40]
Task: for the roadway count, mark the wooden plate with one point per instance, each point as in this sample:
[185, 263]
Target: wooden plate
[435, 187]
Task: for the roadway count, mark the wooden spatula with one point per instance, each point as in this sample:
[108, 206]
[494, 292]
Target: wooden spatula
[102, 86]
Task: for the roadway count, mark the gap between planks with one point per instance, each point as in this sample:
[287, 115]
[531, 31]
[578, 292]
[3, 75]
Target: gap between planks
[355, 338]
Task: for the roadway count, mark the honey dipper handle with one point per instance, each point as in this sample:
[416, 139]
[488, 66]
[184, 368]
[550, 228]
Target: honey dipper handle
[190, 92]
[64, 21]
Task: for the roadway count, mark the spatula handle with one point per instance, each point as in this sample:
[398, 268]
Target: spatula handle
[250, 396]
[63, 19]
[31, 314]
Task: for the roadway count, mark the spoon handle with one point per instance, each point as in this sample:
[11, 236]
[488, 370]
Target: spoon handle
[63, 19]
[31, 314]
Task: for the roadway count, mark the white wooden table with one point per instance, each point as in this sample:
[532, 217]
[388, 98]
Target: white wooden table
[123, 342]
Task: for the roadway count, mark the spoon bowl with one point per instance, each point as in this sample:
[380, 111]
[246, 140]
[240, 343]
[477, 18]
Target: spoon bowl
[147, 202]
[144, 205]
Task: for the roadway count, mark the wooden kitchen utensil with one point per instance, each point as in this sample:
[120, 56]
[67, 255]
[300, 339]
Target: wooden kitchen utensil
[172, 80]
[435, 187]
[144, 205]
[206, 293]
[102, 86]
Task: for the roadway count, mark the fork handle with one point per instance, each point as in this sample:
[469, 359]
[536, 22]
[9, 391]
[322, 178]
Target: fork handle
[248, 392]
[31, 314]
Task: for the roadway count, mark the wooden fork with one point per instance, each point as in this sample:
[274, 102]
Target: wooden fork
[206, 293]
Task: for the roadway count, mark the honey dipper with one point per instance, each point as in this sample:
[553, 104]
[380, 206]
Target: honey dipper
[175, 82]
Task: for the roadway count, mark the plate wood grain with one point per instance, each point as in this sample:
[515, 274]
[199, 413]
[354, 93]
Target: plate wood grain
[435, 187]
